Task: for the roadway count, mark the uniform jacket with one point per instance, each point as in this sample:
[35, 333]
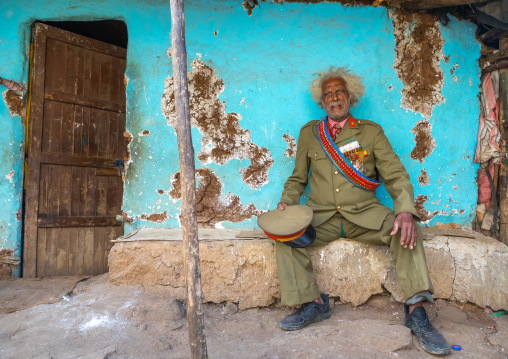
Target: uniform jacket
[330, 191]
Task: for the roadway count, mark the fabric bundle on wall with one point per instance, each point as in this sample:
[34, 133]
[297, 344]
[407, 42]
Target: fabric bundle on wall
[487, 149]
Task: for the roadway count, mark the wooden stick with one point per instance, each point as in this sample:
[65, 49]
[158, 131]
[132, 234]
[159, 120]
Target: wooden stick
[188, 215]
[503, 173]
[495, 180]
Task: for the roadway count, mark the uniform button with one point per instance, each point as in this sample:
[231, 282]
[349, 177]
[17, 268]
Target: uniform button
[336, 172]
[338, 208]
[337, 190]
[315, 154]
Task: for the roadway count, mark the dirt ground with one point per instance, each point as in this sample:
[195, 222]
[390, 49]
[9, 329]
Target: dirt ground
[93, 319]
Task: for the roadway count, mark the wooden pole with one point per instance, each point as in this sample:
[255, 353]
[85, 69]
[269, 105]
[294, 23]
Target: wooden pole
[503, 173]
[503, 124]
[188, 215]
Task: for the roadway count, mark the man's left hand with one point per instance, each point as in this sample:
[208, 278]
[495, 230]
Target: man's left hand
[407, 226]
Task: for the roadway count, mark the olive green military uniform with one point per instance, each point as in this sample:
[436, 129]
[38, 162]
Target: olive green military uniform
[339, 206]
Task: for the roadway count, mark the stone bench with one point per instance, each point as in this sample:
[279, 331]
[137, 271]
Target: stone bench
[464, 267]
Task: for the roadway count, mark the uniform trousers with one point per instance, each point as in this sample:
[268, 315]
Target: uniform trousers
[297, 281]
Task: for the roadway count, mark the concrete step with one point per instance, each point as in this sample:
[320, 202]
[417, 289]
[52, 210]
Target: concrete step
[464, 266]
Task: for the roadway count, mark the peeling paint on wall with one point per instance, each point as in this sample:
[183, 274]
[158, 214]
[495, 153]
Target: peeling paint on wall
[154, 217]
[418, 52]
[425, 144]
[126, 218]
[423, 179]
[420, 209]
[222, 137]
[5, 268]
[291, 142]
[15, 103]
[211, 208]
[10, 176]
[250, 5]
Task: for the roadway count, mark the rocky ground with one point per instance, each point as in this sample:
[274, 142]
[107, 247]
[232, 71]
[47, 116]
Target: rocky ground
[94, 319]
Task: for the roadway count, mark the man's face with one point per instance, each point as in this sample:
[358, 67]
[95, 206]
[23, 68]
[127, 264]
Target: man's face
[336, 99]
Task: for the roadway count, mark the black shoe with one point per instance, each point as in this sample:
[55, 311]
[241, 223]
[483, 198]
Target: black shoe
[430, 339]
[308, 313]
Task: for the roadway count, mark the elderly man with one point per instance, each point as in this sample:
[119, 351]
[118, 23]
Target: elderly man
[348, 159]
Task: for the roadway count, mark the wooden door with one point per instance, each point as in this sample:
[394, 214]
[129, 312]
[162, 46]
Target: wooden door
[76, 150]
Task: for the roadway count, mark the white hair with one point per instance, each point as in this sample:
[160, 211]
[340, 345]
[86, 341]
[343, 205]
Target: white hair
[353, 83]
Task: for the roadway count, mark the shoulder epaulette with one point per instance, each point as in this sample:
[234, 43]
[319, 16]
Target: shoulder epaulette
[368, 122]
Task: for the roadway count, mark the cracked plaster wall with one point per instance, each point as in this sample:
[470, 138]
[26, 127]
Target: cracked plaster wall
[265, 63]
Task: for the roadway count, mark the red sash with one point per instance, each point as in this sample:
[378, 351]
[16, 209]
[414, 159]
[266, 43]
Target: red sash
[340, 162]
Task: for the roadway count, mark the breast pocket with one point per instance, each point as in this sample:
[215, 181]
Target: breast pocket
[316, 154]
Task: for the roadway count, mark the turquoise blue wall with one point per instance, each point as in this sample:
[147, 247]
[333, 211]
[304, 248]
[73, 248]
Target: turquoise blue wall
[270, 57]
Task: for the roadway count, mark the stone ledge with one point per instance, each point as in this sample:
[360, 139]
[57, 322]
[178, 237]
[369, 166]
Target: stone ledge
[462, 269]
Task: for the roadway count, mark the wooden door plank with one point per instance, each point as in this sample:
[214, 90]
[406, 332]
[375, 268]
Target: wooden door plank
[62, 251]
[55, 136]
[79, 69]
[101, 195]
[99, 249]
[49, 114]
[67, 129]
[85, 131]
[103, 135]
[92, 132]
[73, 252]
[90, 198]
[78, 221]
[70, 76]
[41, 250]
[53, 191]
[82, 161]
[56, 66]
[95, 75]
[88, 252]
[114, 204]
[98, 102]
[80, 251]
[113, 136]
[51, 253]
[65, 179]
[105, 84]
[87, 71]
[43, 191]
[77, 148]
[75, 191]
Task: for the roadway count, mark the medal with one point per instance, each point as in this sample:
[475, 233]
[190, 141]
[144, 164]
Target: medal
[355, 154]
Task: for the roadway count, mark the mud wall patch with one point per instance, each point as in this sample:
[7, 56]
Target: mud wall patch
[418, 52]
[291, 142]
[211, 208]
[223, 139]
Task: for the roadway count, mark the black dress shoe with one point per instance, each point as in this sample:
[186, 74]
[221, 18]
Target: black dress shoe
[429, 338]
[307, 314]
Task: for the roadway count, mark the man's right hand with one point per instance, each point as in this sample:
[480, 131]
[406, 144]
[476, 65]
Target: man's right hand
[282, 206]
